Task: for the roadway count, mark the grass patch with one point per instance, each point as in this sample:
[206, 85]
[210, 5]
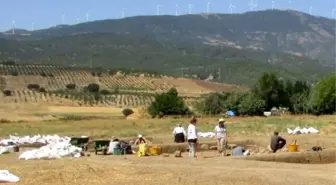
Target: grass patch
[74, 125]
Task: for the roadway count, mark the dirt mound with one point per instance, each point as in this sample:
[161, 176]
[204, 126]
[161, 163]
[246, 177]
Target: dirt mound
[323, 157]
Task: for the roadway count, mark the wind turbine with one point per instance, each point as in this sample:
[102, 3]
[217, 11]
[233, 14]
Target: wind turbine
[273, 3]
[190, 6]
[208, 7]
[177, 10]
[63, 18]
[333, 13]
[87, 16]
[158, 9]
[77, 20]
[290, 4]
[32, 26]
[310, 10]
[13, 27]
[252, 5]
[123, 13]
[231, 7]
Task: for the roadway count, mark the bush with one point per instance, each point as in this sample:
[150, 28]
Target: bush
[105, 92]
[93, 73]
[71, 86]
[323, 96]
[33, 86]
[212, 104]
[251, 105]
[126, 112]
[93, 87]
[299, 103]
[43, 74]
[7, 92]
[168, 103]
[14, 73]
[42, 90]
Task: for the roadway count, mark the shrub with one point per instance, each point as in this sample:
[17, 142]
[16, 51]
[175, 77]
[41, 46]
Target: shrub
[168, 103]
[105, 92]
[42, 90]
[93, 87]
[251, 105]
[93, 73]
[71, 86]
[43, 74]
[126, 112]
[14, 73]
[7, 92]
[33, 86]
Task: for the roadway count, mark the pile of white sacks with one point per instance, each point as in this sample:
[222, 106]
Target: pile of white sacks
[299, 130]
[55, 146]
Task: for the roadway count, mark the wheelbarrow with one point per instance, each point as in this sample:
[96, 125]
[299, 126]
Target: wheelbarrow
[81, 142]
[101, 146]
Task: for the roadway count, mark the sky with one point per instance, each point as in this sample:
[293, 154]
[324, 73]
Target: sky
[47, 13]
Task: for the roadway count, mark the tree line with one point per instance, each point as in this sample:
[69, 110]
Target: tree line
[269, 91]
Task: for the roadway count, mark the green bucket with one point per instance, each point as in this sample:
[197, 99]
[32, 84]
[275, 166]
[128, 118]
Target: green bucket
[116, 151]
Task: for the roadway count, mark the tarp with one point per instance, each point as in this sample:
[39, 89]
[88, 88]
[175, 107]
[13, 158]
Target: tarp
[230, 113]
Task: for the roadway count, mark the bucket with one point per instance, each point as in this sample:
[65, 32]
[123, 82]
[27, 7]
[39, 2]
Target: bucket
[142, 150]
[293, 148]
[116, 151]
[16, 148]
[155, 150]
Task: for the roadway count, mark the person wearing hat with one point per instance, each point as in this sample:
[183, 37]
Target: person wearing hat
[140, 140]
[179, 134]
[192, 137]
[221, 137]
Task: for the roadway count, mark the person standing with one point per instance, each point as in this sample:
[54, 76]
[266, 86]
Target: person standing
[179, 134]
[277, 142]
[192, 137]
[221, 137]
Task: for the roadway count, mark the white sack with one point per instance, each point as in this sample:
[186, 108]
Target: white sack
[5, 176]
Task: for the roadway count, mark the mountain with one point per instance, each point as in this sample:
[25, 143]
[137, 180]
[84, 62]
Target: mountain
[233, 48]
[271, 30]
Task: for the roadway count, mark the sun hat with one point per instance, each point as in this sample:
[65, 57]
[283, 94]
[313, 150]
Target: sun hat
[221, 120]
[139, 136]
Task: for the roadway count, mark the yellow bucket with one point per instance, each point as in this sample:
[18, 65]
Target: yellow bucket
[142, 150]
[293, 148]
[155, 150]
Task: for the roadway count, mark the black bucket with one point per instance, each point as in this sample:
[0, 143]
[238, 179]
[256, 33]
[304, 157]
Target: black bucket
[16, 148]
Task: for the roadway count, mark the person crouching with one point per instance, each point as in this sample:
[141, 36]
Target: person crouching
[179, 134]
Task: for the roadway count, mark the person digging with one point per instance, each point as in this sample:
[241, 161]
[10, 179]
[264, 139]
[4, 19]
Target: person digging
[277, 142]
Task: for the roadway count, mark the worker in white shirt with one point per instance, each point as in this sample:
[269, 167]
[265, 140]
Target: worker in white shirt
[192, 137]
[179, 134]
[221, 138]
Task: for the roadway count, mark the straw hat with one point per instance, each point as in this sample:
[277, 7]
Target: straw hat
[221, 120]
[139, 136]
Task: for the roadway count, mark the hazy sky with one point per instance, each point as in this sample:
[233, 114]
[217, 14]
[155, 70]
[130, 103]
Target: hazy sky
[46, 13]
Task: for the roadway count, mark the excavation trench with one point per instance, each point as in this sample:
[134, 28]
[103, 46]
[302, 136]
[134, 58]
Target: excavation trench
[326, 156]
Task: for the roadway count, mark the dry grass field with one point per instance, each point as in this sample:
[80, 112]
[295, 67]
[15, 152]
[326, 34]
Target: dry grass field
[208, 168]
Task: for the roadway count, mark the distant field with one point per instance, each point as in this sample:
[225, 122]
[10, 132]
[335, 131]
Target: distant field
[133, 90]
